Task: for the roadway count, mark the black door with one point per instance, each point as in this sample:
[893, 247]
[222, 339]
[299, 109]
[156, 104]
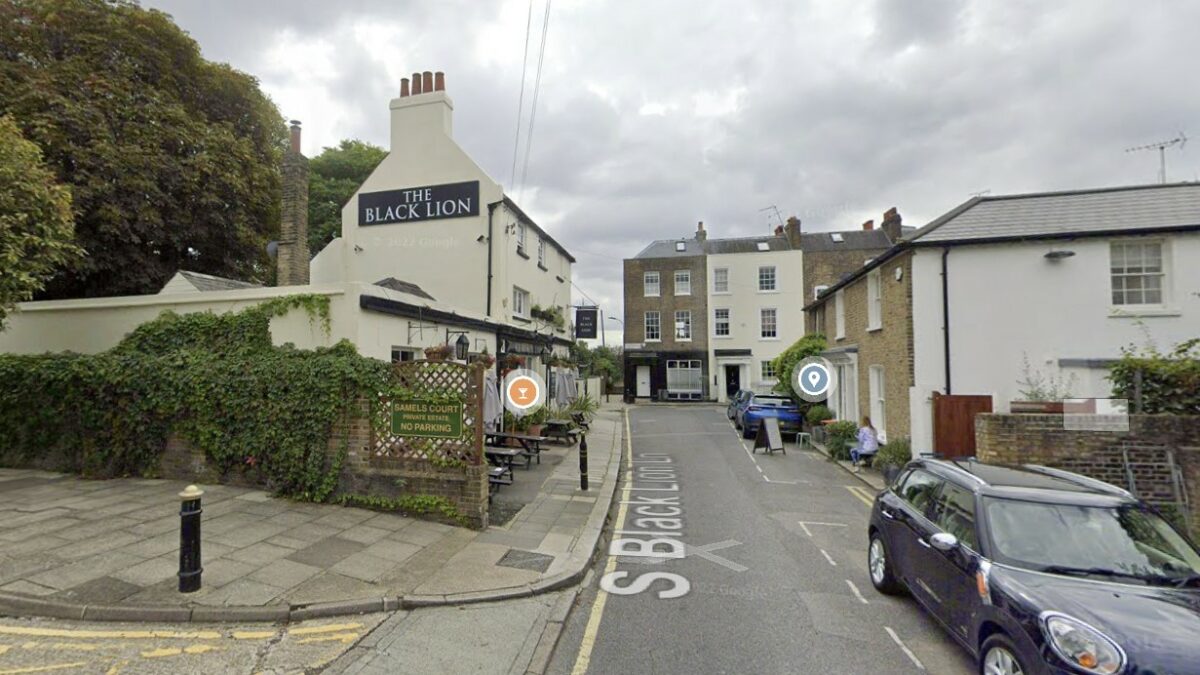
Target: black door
[733, 380]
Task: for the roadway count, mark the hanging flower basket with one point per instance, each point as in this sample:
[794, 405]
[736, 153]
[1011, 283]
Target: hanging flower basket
[438, 353]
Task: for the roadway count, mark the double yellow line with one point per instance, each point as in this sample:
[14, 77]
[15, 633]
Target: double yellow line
[863, 494]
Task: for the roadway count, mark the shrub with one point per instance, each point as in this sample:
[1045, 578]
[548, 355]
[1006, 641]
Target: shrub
[1170, 384]
[817, 414]
[896, 452]
[841, 437]
[809, 345]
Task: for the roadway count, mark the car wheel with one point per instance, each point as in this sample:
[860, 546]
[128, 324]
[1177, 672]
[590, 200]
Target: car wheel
[999, 657]
[747, 432]
[879, 564]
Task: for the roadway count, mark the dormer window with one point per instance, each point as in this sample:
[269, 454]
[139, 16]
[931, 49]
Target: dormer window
[764, 246]
[680, 246]
[836, 237]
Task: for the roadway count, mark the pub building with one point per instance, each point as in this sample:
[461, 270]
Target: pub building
[432, 252]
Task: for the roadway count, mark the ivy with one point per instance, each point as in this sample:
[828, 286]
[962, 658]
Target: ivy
[408, 504]
[214, 379]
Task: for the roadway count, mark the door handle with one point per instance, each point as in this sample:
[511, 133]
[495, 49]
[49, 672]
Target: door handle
[887, 514]
[923, 542]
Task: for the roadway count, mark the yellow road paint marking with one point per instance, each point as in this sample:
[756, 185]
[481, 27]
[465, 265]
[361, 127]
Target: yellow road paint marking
[4, 648]
[344, 638]
[116, 668]
[584, 660]
[44, 669]
[108, 634]
[66, 646]
[176, 651]
[854, 490]
[253, 634]
[332, 628]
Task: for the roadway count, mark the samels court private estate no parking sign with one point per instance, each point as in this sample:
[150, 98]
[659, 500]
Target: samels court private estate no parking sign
[428, 202]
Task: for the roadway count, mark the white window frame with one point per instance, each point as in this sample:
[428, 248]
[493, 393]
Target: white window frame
[762, 325]
[876, 384]
[520, 302]
[767, 370]
[845, 402]
[1163, 274]
[683, 282]
[657, 326]
[717, 321]
[874, 300]
[521, 233]
[541, 252]
[694, 383]
[647, 284]
[720, 285]
[774, 278]
[818, 289]
[839, 312]
[686, 315]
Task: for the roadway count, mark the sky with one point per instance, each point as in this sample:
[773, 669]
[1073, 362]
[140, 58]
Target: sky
[654, 115]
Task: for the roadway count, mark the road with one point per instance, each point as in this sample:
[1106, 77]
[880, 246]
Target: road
[771, 575]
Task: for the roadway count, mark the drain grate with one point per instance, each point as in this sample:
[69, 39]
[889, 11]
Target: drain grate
[526, 560]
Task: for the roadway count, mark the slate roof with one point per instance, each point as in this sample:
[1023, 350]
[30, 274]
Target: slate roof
[1078, 212]
[852, 240]
[746, 244]
[665, 248]
[404, 287]
[208, 282]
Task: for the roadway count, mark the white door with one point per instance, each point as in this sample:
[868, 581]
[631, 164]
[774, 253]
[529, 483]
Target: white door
[643, 381]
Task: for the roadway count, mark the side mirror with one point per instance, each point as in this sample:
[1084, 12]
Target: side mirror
[944, 541]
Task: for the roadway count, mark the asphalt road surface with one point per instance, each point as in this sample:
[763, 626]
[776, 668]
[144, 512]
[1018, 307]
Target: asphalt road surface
[768, 570]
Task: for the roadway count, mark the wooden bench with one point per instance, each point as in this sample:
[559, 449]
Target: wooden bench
[531, 446]
[496, 478]
[561, 430]
[505, 457]
[580, 419]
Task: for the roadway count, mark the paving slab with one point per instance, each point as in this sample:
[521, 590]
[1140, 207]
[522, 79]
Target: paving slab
[113, 545]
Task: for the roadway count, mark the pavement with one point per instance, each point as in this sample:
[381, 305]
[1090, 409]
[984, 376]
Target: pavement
[728, 561]
[108, 550]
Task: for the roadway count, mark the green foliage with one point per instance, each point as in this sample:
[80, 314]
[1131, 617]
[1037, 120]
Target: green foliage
[334, 176]
[408, 504]
[1037, 386]
[36, 226]
[841, 437]
[1170, 383]
[896, 452]
[818, 414]
[584, 404]
[601, 361]
[550, 316]
[172, 160]
[809, 345]
[215, 380]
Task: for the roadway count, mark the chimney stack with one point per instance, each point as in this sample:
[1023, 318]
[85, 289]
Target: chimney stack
[422, 108]
[701, 235]
[792, 230]
[291, 259]
[892, 225]
[869, 225]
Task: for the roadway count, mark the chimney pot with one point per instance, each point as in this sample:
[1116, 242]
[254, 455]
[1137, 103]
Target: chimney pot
[427, 82]
[295, 136]
[403, 87]
[416, 84]
[778, 230]
[869, 225]
[439, 81]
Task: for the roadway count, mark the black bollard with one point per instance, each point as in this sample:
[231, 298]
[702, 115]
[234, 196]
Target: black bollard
[583, 483]
[189, 540]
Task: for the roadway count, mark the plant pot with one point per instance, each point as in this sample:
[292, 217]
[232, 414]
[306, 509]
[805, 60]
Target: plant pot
[1036, 407]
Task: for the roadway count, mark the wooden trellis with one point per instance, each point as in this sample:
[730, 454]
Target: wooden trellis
[433, 379]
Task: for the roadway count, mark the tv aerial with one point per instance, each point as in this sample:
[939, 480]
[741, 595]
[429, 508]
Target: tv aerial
[1161, 146]
[774, 209]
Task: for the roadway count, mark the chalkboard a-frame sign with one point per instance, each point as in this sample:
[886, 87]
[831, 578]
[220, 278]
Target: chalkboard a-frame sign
[427, 202]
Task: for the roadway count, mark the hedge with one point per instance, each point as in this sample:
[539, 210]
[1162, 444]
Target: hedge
[1170, 383]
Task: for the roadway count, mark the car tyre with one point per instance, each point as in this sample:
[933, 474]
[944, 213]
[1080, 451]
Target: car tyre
[999, 657]
[747, 433]
[879, 566]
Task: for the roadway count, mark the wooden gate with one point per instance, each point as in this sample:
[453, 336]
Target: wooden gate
[954, 423]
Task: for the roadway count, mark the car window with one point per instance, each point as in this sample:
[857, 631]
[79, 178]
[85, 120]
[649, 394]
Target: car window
[954, 512]
[918, 489]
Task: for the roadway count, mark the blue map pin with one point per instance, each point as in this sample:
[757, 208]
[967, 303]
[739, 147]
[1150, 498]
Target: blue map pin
[814, 379]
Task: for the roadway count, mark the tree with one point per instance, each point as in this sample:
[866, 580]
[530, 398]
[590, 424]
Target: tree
[602, 361]
[35, 219]
[173, 161]
[333, 177]
[809, 345]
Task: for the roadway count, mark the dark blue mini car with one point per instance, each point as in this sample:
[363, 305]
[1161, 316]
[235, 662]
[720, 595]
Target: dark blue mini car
[750, 413]
[1038, 570]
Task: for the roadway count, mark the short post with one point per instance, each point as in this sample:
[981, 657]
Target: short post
[583, 478]
[189, 540]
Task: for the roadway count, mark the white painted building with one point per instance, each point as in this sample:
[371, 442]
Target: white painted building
[755, 292]
[1061, 280]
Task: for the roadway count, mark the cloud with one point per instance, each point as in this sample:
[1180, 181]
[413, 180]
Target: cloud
[653, 116]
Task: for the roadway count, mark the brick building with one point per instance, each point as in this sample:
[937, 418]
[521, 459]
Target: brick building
[666, 320]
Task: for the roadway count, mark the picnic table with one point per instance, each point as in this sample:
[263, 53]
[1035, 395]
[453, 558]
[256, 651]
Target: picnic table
[580, 419]
[561, 429]
[530, 446]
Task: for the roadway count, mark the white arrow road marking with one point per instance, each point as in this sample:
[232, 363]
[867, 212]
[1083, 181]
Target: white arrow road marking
[828, 558]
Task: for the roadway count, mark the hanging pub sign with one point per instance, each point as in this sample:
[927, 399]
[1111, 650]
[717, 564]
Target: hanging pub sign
[429, 202]
[585, 322]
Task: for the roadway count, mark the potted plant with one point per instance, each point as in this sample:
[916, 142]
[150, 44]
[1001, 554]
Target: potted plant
[841, 439]
[892, 457]
[512, 362]
[437, 352]
[817, 415]
[486, 359]
[535, 420]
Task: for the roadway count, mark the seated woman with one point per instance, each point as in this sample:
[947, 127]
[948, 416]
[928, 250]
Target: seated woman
[868, 443]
